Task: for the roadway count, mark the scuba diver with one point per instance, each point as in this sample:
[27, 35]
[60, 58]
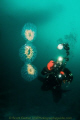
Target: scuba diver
[55, 72]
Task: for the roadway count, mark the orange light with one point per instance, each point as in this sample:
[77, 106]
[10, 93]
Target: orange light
[61, 72]
[50, 65]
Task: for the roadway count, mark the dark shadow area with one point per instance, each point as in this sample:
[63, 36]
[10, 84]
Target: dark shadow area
[57, 93]
[74, 109]
[78, 118]
[36, 17]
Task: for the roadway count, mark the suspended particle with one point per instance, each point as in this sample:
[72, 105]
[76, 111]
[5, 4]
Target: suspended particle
[29, 72]
[28, 52]
[29, 32]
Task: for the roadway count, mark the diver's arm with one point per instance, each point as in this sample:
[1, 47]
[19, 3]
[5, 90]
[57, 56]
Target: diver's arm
[69, 75]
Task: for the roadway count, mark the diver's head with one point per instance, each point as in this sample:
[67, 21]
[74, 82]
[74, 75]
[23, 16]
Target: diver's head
[59, 61]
